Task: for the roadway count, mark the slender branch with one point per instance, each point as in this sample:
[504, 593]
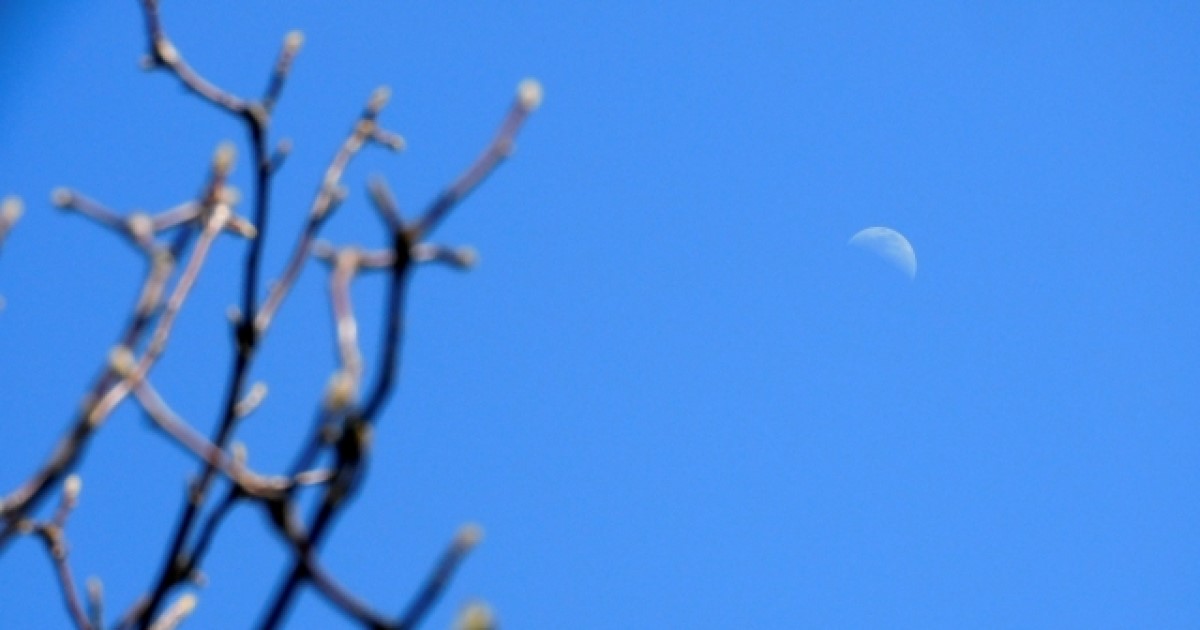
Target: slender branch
[254, 323]
[176, 613]
[466, 540]
[246, 480]
[345, 422]
[329, 195]
[53, 535]
[217, 216]
[529, 98]
[164, 54]
[95, 594]
[345, 266]
[354, 436]
[137, 227]
[289, 526]
[283, 66]
[476, 616]
[103, 396]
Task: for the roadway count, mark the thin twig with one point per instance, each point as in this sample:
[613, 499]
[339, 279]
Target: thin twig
[246, 480]
[53, 535]
[71, 447]
[290, 527]
[164, 54]
[176, 613]
[529, 98]
[355, 433]
[95, 595]
[466, 540]
[329, 195]
[283, 66]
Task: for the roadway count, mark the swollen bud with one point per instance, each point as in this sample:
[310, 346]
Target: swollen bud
[62, 197]
[529, 94]
[293, 42]
[71, 488]
[476, 616]
[12, 210]
[379, 98]
[223, 159]
[468, 537]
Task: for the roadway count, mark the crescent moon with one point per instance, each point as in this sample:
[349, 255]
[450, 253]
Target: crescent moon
[889, 245]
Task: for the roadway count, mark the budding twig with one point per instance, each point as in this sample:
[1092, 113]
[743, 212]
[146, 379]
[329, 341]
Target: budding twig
[466, 540]
[112, 387]
[529, 98]
[53, 534]
[329, 195]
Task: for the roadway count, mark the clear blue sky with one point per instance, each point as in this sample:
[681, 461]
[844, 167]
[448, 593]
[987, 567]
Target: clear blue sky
[671, 393]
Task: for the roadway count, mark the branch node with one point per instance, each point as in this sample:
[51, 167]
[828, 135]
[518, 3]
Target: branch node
[140, 226]
[165, 52]
[341, 391]
[121, 361]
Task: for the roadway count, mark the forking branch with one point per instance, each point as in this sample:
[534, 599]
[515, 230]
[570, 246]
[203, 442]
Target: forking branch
[176, 244]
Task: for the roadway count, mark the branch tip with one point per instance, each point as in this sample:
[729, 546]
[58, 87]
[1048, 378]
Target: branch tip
[12, 210]
[476, 616]
[95, 596]
[529, 94]
[468, 537]
[253, 398]
[71, 488]
[224, 157]
[379, 98]
[293, 42]
[467, 257]
[62, 198]
[242, 227]
[176, 613]
[387, 139]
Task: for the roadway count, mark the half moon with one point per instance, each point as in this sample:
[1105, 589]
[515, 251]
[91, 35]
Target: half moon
[889, 245]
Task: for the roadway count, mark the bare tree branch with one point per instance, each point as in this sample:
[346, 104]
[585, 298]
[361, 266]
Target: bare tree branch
[53, 534]
[466, 540]
[176, 244]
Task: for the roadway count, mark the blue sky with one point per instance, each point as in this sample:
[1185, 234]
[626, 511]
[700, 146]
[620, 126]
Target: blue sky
[671, 393]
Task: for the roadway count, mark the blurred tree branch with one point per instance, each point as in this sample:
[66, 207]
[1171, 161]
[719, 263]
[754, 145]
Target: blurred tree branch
[175, 245]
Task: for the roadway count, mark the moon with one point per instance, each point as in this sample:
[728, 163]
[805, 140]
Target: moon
[889, 245]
